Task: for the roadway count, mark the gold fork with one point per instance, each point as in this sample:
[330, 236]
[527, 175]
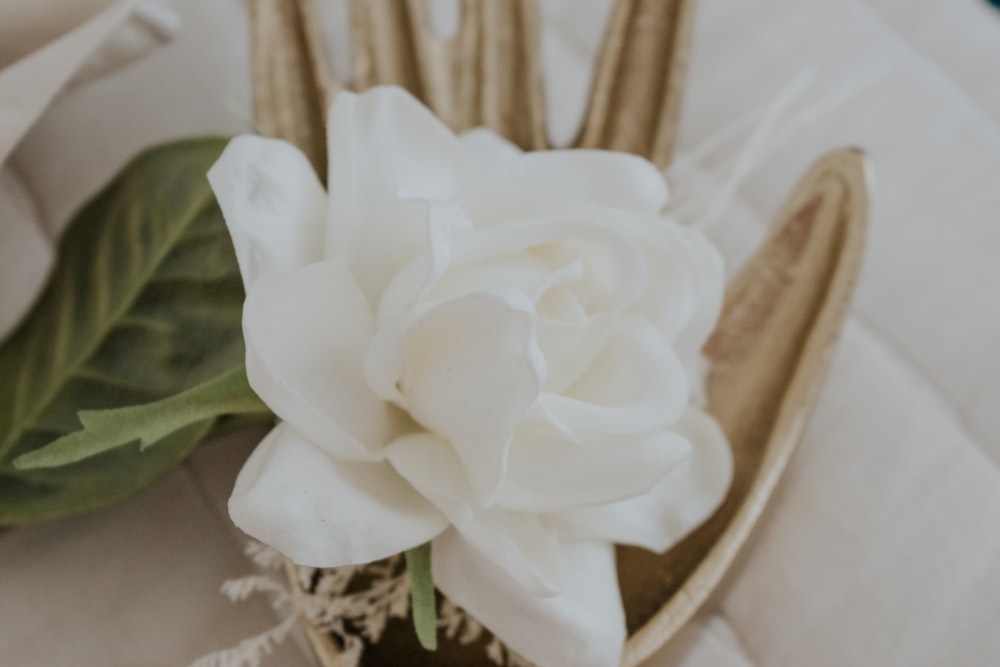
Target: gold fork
[782, 314]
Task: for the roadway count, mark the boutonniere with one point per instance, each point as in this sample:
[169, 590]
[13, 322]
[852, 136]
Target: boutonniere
[477, 352]
[478, 357]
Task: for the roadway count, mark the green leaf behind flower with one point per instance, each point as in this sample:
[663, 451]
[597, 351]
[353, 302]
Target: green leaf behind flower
[104, 430]
[144, 303]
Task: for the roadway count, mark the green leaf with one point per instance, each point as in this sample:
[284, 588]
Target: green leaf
[144, 303]
[228, 394]
[423, 605]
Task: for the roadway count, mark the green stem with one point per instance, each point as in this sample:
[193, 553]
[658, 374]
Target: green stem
[423, 605]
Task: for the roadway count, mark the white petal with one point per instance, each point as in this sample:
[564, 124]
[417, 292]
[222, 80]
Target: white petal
[614, 268]
[570, 348]
[684, 293]
[274, 205]
[324, 513]
[679, 503]
[443, 225]
[709, 279]
[382, 247]
[548, 472]
[472, 368]
[523, 545]
[582, 627]
[519, 270]
[384, 145]
[636, 385]
[306, 332]
[487, 148]
[539, 182]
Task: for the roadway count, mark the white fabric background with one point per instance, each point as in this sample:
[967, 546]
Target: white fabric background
[882, 546]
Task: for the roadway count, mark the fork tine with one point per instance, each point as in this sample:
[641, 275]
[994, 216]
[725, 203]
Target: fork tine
[292, 82]
[770, 352]
[499, 75]
[638, 82]
[392, 44]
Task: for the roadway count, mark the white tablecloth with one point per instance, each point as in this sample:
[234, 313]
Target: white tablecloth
[883, 543]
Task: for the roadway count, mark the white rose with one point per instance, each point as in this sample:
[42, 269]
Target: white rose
[474, 346]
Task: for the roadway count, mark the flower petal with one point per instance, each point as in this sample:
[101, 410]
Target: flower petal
[547, 472]
[472, 368]
[685, 288]
[321, 512]
[523, 545]
[385, 146]
[570, 347]
[582, 627]
[708, 269]
[274, 205]
[487, 148]
[614, 268]
[519, 270]
[442, 225]
[390, 244]
[538, 182]
[636, 385]
[680, 502]
[306, 332]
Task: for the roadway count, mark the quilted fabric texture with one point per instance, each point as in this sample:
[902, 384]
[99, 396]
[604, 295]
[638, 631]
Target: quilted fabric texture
[882, 545]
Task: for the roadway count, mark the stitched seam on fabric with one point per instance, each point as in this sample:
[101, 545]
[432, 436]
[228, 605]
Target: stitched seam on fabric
[201, 488]
[206, 497]
[741, 644]
[199, 480]
[942, 75]
[899, 357]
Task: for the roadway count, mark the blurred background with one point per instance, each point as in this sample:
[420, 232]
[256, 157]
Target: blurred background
[882, 545]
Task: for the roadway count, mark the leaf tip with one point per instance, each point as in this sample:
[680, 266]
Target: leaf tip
[25, 462]
[56, 453]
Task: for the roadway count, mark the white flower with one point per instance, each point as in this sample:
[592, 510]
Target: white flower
[474, 346]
